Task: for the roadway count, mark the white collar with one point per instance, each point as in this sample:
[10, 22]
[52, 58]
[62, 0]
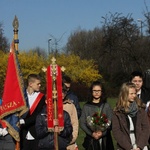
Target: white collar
[139, 92]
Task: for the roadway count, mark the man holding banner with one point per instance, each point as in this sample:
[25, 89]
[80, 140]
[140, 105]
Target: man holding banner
[53, 124]
[46, 138]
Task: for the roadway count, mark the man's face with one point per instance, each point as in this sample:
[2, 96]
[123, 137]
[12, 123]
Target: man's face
[35, 85]
[138, 81]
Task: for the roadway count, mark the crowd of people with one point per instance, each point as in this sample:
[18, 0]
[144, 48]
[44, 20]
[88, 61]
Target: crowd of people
[128, 122]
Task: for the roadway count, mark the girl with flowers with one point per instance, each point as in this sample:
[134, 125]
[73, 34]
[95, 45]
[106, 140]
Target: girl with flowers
[130, 124]
[94, 120]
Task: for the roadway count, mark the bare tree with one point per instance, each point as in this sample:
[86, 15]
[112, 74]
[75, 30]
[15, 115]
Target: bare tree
[117, 47]
[4, 45]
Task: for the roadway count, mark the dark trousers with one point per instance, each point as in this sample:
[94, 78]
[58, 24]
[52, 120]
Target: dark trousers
[30, 145]
[7, 143]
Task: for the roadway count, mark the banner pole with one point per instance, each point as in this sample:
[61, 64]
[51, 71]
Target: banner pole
[16, 42]
[17, 145]
[54, 93]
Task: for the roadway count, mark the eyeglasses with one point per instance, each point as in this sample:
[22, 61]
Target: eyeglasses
[97, 91]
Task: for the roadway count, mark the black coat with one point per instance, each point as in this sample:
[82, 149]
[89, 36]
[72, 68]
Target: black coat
[46, 139]
[145, 95]
[30, 121]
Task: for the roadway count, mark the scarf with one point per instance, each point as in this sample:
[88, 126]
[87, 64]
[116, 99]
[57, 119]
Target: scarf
[133, 109]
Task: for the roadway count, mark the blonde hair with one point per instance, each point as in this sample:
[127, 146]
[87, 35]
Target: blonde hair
[123, 101]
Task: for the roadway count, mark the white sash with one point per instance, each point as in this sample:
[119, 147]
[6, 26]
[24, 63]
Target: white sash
[132, 135]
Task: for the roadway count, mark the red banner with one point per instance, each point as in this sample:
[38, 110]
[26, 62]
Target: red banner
[50, 108]
[50, 90]
[13, 97]
[59, 97]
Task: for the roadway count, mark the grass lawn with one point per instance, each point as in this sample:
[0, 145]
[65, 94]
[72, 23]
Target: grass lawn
[112, 102]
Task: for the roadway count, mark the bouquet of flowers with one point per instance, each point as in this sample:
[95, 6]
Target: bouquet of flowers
[98, 122]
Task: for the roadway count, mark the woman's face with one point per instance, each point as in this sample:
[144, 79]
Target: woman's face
[132, 94]
[96, 92]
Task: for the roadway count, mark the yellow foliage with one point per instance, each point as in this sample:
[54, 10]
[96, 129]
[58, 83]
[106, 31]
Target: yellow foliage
[30, 62]
[3, 66]
[84, 71]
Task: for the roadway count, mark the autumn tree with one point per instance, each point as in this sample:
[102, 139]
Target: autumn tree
[39, 51]
[124, 42]
[3, 65]
[85, 44]
[80, 70]
[4, 45]
[121, 35]
[117, 47]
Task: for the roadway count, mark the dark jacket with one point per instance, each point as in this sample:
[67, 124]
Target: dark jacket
[88, 110]
[46, 139]
[31, 119]
[121, 131]
[74, 99]
[145, 95]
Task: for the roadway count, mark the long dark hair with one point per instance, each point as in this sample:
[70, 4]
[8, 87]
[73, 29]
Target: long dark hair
[103, 96]
[64, 90]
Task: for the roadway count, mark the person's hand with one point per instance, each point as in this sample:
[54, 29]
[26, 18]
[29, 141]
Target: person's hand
[55, 122]
[56, 129]
[99, 134]
[4, 132]
[135, 147]
[21, 121]
[95, 135]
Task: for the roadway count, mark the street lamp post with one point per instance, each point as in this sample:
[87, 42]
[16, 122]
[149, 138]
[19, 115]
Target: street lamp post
[49, 45]
[141, 26]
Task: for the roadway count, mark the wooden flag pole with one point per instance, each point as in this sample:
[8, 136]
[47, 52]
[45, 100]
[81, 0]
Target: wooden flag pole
[55, 116]
[16, 42]
[17, 146]
[54, 93]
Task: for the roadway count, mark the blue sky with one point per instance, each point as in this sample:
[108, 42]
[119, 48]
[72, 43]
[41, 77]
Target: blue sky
[40, 20]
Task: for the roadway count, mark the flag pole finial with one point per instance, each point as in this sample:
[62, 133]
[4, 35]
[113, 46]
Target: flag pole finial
[16, 26]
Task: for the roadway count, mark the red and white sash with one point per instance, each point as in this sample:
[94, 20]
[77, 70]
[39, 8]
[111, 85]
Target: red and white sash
[37, 100]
